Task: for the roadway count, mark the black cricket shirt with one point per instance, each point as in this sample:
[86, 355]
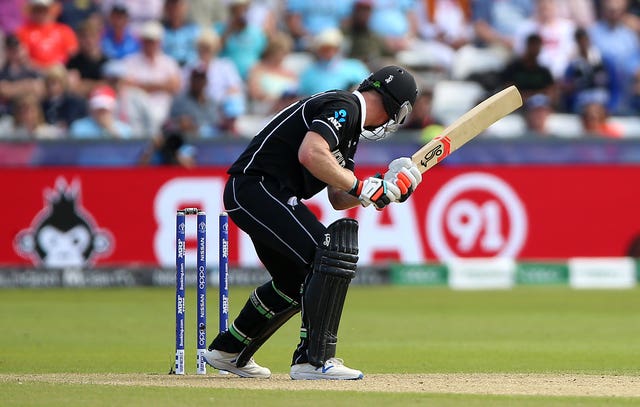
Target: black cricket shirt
[336, 115]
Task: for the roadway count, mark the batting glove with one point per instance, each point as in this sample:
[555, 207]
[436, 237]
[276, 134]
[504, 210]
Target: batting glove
[405, 175]
[376, 191]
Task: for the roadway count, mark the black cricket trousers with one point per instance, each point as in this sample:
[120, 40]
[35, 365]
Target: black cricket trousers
[284, 232]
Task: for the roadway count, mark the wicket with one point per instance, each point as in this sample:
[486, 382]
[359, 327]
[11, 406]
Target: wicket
[201, 285]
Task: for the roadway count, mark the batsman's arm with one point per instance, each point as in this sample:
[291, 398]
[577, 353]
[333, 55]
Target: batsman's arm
[315, 156]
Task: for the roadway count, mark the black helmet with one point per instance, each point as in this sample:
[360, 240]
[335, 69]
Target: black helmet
[399, 91]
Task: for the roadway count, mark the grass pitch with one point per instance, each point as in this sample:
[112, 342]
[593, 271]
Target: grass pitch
[87, 335]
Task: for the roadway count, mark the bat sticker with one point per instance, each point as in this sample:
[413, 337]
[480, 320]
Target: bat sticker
[440, 151]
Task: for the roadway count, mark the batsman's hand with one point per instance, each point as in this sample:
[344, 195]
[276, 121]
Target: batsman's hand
[376, 191]
[405, 175]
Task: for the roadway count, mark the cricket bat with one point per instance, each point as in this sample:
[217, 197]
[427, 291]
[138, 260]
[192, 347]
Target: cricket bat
[467, 127]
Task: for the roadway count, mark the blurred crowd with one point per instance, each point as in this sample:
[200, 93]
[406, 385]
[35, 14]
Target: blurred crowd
[175, 70]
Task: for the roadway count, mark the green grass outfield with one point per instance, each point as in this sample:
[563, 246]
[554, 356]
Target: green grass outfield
[105, 347]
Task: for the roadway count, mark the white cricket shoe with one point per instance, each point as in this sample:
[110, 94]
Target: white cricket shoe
[333, 369]
[227, 362]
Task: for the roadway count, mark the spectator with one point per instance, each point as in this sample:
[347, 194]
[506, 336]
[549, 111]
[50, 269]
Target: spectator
[169, 149]
[73, 12]
[496, 22]
[527, 74]
[620, 45]
[241, 42]
[306, 19]
[118, 40]
[588, 72]
[444, 26]
[494, 27]
[330, 70]
[132, 103]
[224, 85]
[180, 34]
[537, 110]
[634, 99]
[420, 116]
[28, 121]
[11, 15]
[16, 75]
[581, 12]
[205, 12]
[270, 83]
[85, 67]
[396, 22]
[154, 72]
[193, 114]
[556, 33]
[47, 42]
[139, 11]
[364, 44]
[101, 122]
[60, 106]
[265, 14]
[632, 15]
[595, 118]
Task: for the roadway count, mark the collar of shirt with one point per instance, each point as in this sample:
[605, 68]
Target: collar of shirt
[363, 109]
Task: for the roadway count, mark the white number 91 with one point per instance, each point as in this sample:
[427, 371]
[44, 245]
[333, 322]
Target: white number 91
[466, 220]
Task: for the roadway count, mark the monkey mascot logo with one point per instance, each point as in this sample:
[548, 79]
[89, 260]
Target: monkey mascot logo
[63, 234]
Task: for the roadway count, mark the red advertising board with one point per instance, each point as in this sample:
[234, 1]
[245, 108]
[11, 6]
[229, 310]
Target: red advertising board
[126, 216]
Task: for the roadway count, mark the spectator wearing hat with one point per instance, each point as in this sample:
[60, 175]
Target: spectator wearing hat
[224, 84]
[85, 67]
[241, 42]
[118, 41]
[16, 75]
[47, 42]
[537, 110]
[101, 122]
[329, 69]
[180, 34]
[154, 72]
[132, 103]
